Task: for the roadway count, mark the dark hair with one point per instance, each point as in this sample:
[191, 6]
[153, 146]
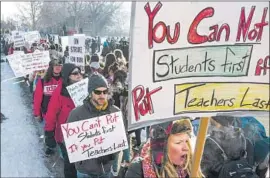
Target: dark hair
[114, 67]
[110, 59]
[49, 73]
[87, 58]
[52, 47]
[120, 75]
[127, 65]
[118, 53]
[94, 58]
[56, 47]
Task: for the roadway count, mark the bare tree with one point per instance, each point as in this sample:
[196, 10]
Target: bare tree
[101, 15]
[77, 11]
[52, 15]
[120, 23]
[8, 25]
[30, 13]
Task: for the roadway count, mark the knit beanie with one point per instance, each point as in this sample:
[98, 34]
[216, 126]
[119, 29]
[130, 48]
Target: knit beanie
[96, 80]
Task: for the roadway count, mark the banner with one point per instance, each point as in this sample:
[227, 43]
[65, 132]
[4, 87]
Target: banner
[77, 51]
[200, 62]
[94, 137]
[78, 91]
[23, 64]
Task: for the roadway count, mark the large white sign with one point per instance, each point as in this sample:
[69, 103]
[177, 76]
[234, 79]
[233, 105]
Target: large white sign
[78, 91]
[23, 64]
[77, 50]
[95, 137]
[198, 59]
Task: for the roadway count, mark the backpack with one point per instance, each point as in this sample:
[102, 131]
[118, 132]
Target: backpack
[252, 128]
[239, 168]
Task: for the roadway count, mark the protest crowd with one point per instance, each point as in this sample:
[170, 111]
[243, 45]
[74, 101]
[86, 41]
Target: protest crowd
[235, 146]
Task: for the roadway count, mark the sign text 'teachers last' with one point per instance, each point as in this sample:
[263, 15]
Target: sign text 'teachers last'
[210, 97]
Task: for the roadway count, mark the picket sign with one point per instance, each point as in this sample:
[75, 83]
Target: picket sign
[95, 137]
[198, 60]
[23, 64]
[18, 39]
[77, 51]
[78, 91]
[198, 63]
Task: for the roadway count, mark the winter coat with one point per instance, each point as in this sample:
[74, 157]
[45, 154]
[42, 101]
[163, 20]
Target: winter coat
[10, 51]
[43, 93]
[59, 108]
[95, 165]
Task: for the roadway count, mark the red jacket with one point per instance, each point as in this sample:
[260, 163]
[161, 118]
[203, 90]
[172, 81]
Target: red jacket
[10, 51]
[58, 111]
[42, 95]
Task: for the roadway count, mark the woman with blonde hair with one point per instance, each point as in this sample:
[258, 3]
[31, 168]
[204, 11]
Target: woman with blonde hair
[120, 58]
[167, 153]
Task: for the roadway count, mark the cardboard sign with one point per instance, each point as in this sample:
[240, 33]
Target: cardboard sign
[198, 60]
[77, 51]
[32, 36]
[23, 64]
[78, 91]
[95, 137]
[18, 39]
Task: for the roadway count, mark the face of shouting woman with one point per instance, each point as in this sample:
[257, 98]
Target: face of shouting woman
[178, 148]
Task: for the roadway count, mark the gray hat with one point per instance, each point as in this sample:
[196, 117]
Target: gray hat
[96, 80]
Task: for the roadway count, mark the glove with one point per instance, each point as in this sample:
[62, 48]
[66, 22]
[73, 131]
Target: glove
[49, 139]
[38, 118]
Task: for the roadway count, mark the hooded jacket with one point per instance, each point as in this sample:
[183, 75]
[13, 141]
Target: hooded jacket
[60, 105]
[86, 111]
[43, 93]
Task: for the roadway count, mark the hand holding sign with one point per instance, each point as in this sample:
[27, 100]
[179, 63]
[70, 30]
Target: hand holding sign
[95, 137]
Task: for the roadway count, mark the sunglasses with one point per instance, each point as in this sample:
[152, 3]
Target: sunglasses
[98, 92]
[75, 73]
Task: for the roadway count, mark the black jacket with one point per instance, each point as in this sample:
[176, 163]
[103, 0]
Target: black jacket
[86, 111]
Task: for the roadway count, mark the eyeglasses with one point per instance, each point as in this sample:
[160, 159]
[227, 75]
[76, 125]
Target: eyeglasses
[98, 92]
[75, 73]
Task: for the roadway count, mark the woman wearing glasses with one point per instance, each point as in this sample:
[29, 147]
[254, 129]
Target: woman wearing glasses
[59, 108]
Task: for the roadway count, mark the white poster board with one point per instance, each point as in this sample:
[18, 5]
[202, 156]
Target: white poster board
[23, 64]
[77, 51]
[94, 137]
[18, 39]
[32, 36]
[197, 59]
[78, 91]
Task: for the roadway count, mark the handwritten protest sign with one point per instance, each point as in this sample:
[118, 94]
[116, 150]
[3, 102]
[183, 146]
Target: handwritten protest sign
[78, 91]
[200, 62]
[32, 36]
[77, 50]
[95, 137]
[23, 64]
[18, 39]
